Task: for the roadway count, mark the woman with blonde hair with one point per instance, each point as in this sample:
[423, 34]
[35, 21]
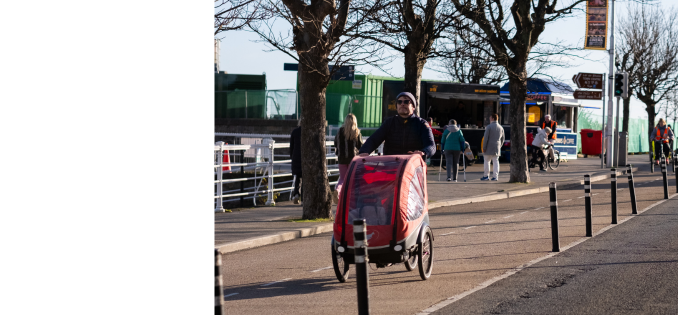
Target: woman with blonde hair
[661, 134]
[347, 143]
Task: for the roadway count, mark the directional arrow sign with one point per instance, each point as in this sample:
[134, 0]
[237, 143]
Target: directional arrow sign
[588, 95]
[588, 80]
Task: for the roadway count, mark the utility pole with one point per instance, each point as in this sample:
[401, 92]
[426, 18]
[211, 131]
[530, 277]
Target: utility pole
[610, 102]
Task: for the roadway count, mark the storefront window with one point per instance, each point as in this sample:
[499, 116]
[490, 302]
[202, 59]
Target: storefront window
[560, 115]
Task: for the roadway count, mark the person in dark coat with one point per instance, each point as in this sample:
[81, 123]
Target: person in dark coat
[405, 133]
[295, 155]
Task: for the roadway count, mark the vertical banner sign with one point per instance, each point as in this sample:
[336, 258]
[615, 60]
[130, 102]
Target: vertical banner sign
[596, 24]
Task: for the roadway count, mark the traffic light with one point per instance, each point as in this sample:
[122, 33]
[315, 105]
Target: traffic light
[621, 84]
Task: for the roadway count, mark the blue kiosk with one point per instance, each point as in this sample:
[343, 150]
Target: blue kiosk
[553, 98]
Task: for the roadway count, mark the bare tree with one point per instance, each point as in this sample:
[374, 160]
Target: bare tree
[231, 15]
[669, 107]
[410, 27]
[649, 53]
[511, 45]
[318, 39]
[468, 57]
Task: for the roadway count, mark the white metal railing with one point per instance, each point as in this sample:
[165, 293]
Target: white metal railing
[264, 161]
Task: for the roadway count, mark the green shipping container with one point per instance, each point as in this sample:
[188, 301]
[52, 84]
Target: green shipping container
[365, 101]
[239, 95]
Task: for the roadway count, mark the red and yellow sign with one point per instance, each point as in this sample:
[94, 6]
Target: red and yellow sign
[596, 25]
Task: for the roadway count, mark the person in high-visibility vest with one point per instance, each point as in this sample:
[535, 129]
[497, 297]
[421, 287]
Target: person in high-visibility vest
[552, 124]
[661, 135]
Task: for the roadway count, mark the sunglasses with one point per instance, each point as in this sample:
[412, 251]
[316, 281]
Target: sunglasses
[404, 101]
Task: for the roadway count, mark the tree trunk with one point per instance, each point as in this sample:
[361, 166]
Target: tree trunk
[651, 115]
[625, 120]
[518, 92]
[315, 189]
[414, 66]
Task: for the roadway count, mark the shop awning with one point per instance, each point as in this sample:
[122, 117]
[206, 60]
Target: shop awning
[465, 96]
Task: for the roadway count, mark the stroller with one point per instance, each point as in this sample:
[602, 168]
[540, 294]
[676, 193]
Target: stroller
[389, 192]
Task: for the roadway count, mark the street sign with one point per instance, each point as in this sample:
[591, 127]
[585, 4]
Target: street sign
[588, 80]
[588, 95]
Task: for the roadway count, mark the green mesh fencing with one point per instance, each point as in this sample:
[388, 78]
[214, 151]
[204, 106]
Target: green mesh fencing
[638, 141]
[263, 104]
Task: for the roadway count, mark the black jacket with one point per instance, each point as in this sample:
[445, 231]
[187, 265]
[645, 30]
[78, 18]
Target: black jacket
[295, 151]
[401, 135]
[346, 148]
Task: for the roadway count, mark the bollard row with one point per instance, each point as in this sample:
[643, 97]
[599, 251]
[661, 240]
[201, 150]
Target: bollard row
[613, 194]
[361, 261]
[587, 202]
[218, 283]
[554, 217]
[666, 180]
[632, 190]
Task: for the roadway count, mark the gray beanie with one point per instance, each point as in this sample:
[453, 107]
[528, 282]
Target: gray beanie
[408, 94]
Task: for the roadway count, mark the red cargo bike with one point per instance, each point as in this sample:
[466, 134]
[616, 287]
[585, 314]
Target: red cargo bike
[389, 192]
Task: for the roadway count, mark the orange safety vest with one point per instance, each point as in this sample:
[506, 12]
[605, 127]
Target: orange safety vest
[553, 128]
[660, 137]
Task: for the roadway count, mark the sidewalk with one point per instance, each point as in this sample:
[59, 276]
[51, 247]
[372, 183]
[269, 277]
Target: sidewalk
[252, 227]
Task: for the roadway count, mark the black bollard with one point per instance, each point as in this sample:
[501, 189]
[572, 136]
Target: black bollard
[218, 282]
[666, 180]
[554, 217]
[632, 190]
[613, 195]
[587, 202]
[361, 260]
[675, 162]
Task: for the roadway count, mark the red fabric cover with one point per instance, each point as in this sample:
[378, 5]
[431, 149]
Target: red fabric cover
[381, 235]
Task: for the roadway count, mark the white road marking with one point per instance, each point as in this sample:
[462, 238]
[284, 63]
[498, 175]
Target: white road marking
[567, 200]
[620, 189]
[227, 295]
[446, 234]
[524, 212]
[539, 208]
[330, 267]
[470, 227]
[581, 197]
[274, 282]
[489, 221]
[594, 194]
[508, 216]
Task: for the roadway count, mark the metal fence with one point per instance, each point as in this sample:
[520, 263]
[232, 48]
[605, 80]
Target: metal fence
[269, 171]
[264, 163]
[266, 104]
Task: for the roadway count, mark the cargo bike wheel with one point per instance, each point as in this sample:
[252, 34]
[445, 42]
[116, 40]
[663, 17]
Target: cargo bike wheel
[340, 266]
[425, 254]
[411, 262]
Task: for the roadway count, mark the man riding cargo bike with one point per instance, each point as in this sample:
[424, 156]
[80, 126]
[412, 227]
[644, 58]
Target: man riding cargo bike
[390, 193]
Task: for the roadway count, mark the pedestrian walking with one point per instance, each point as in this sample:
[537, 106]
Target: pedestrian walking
[452, 143]
[347, 142]
[295, 155]
[492, 142]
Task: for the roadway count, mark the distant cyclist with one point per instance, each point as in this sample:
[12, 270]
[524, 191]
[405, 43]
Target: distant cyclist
[661, 135]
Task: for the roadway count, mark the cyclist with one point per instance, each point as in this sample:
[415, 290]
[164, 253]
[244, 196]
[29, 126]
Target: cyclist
[539, 144]
[661, 135]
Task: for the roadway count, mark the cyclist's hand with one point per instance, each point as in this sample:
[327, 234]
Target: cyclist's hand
[416, 152]
[363, 154]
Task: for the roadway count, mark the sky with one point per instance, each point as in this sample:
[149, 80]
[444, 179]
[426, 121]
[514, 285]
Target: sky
[242, 54]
